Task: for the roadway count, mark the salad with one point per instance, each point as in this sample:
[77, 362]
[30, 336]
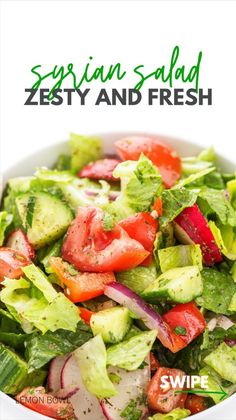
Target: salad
[118, 283]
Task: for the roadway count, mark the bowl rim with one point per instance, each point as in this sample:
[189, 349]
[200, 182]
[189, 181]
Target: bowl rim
[118, 134]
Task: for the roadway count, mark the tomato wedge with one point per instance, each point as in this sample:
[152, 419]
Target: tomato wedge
[143, 228]
[161, 154]
[188, 317]
[18, 241]
[11, 262]
[196, 403]
[101, 169]
[81, 286]
[36, 399]
[90, 248]
[164, 399]
[85, 314]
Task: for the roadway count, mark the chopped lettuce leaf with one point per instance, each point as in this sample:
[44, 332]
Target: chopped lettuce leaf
[176, 414]
[5, 221]
[214, 383]
[38, 278]
[223, 361]
[207, 155]
[232, 305]
[193, 177]
[174, 201]
[138, 278]
[214, 202]
[63, 162]
[231, 187]
[40, 349]
[214, 180]
[218, 290]
[141, 183]
[225, 238]
[44, 255]
[54, 175]
[180, 256]
[92, 359]
[123, 354]
[84, 150]
[61, 313]
[30, 308]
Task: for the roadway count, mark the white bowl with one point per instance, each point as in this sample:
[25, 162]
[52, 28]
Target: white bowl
[9, 408]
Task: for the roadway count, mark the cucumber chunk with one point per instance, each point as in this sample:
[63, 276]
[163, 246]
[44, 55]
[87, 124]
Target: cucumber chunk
[113, 324]
[14, 372]
[44, 216]
[181, 285]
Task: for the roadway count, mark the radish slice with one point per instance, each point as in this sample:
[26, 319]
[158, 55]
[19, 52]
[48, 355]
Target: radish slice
[132, 386]
[192, 227]
[66, 393]
[126, 297]
[18, 240]
[86, 405]
[54, 375]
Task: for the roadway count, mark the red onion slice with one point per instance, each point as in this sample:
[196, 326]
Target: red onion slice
[126, 297]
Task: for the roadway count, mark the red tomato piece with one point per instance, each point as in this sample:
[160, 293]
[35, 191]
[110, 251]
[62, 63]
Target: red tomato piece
[158, 206]
[11, 262]
[101, 169]
[196, 403]
[18, 241]
[165, 400]
[85, 314]
[81, 286]
[36, 399]
[90, 248]
[188, 316]
[161, 154]
[143, 228]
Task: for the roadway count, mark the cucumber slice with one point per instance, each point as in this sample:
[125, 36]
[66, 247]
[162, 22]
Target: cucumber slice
[14, 372]
[113, 324]
[44, 216]
[181, 285]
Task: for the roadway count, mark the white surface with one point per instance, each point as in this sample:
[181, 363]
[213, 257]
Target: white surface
[9, 410]
[130, 32]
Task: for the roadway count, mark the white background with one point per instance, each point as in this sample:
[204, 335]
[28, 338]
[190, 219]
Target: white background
[60, 32]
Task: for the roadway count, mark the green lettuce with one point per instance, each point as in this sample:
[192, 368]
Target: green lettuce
[141, 183]
[176, 414]
[218, 290]
[40, 349]
[225, 238]
[92, 359]
[231, 187]
[214, 384]
[5, 221]
[40, 281]
[179, 256]
[138, 278]
[174, 201]
[193, 177]
[44, 254]
[31, 309]
[123, 354]
[214, 203]
[84, 150]
[223, 361]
